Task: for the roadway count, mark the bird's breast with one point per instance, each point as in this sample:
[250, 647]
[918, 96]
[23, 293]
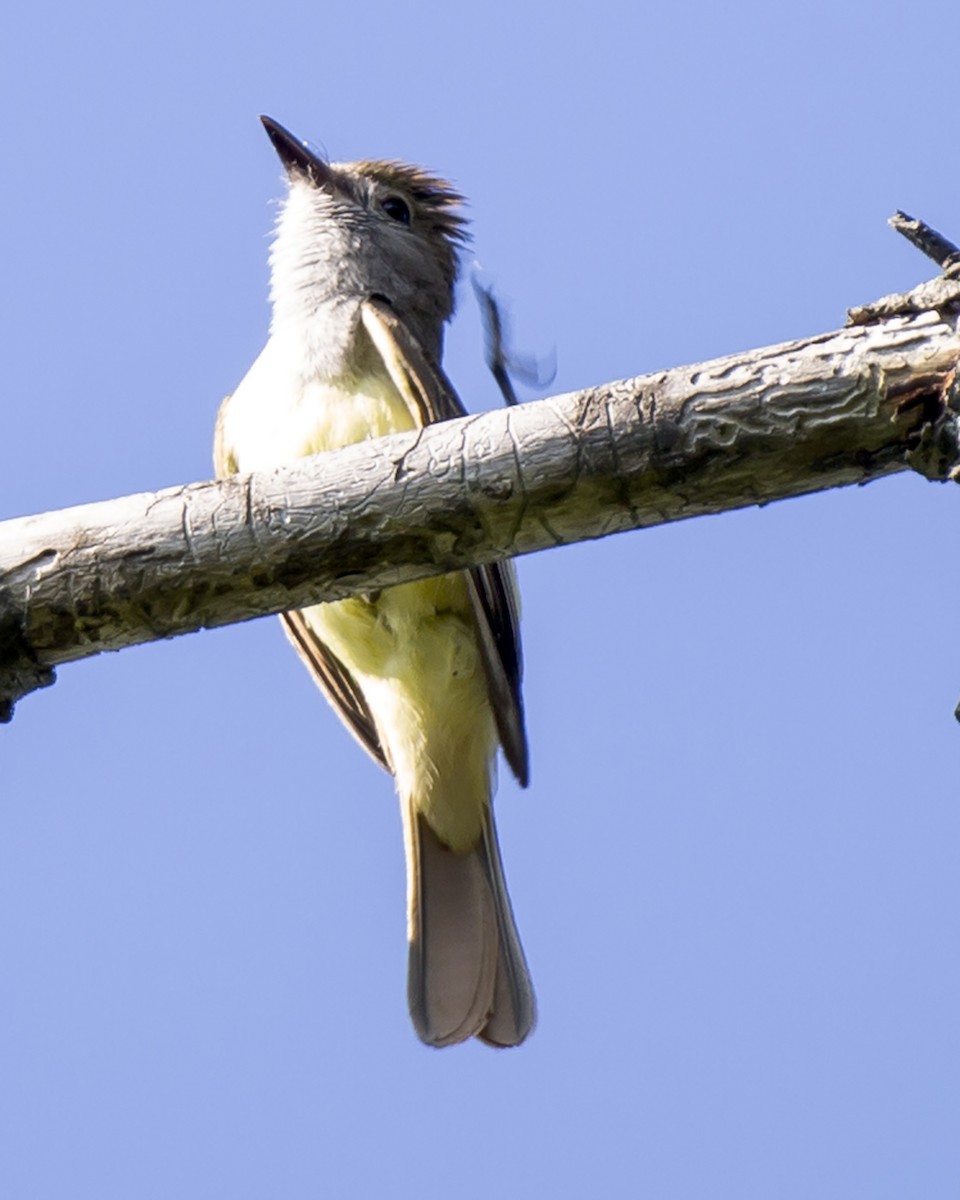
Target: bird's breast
[337, 414]
[276, 415]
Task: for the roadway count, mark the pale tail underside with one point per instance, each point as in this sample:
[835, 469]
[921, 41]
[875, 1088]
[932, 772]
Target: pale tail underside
[467, 976]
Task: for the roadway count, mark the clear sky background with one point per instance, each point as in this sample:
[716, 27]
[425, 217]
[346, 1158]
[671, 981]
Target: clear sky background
[737, 871]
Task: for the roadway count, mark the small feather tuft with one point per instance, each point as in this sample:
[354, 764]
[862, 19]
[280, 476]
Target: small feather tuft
[436, 199]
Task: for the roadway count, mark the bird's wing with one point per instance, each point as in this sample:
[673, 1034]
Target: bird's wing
[431, 398]
[328, 672]
[337, 684]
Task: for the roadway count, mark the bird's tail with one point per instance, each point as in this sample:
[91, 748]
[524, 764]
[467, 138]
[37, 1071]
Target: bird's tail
[467, 974]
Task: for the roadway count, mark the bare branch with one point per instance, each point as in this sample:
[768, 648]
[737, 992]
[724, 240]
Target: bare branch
[934, 245]
[846, 407]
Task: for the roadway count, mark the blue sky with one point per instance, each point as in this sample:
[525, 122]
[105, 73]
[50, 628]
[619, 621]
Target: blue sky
[736, 870]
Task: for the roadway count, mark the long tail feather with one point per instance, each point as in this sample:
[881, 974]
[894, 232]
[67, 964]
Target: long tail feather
[467, 974]
[514, 1004]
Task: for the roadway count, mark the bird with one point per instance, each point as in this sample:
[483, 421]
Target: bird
[425, 675]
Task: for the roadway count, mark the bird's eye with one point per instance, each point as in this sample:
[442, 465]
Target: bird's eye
[396, 209]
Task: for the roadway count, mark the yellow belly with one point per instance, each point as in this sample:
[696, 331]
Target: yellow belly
[413, 650]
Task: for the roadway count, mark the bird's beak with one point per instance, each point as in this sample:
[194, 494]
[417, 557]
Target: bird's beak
[295, 156]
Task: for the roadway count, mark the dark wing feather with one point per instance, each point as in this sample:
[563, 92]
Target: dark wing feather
[492, 590]
[494, 597]
[336, 682]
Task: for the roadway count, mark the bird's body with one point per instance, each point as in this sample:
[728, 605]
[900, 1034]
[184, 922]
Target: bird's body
[426, 675]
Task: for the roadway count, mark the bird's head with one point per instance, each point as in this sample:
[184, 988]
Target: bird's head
[348, 231]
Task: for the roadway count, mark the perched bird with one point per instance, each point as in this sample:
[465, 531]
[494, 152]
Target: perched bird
[425, 675]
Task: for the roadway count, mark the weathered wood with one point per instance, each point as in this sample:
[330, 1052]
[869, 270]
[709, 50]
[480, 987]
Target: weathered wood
[927, 240]
[845, 407]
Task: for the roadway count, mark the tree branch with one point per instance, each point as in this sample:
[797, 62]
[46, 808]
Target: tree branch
[927, 240]
[877, 397]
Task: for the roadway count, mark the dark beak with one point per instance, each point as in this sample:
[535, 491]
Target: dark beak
[295, 156]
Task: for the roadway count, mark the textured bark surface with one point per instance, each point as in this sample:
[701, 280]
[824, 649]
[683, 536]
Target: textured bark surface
[846, 407]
